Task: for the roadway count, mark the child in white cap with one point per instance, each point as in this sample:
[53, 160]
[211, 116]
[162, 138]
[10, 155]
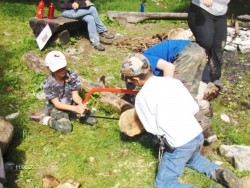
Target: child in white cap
[62, 97]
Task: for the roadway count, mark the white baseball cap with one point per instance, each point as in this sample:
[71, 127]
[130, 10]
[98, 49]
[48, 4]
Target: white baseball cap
[55, 60]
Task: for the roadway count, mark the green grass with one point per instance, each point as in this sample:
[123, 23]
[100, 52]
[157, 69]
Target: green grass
[97, 156]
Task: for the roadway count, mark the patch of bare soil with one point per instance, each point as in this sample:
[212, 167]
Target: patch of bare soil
[235, 72]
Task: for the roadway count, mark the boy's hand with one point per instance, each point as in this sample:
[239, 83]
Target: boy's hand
[80, 108]
[88, 3]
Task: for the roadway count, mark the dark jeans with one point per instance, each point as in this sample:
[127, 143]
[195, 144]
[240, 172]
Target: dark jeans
[2, 172]
[210, 32]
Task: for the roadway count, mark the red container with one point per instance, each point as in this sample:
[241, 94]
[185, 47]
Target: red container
[51, 11]
[40, 9]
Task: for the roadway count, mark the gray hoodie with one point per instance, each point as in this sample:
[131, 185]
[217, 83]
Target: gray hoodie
[218, 8]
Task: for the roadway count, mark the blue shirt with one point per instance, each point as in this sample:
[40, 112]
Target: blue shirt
[166, 50]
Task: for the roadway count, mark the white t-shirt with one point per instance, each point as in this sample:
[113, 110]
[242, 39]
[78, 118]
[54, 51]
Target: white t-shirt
[165, 107]
[218, 8]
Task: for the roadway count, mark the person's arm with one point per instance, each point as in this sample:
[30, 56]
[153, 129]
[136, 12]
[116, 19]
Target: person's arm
[76, 97]
[167, 68]
[80, 108]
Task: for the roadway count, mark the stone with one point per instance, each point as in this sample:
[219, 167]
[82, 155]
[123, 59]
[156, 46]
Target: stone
[6, 134]
[237, 155]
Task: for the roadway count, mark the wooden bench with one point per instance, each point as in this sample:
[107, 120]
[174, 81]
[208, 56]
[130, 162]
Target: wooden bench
[60, 27]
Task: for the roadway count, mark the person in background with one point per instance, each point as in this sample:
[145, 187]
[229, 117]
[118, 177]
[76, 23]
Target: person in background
[184, 60]
[86, 11]
[180, 58]
[166, 109]
[3, 180]
[208, 22]
[62, 96]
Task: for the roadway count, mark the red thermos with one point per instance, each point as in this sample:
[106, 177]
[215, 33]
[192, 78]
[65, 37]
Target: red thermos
[40, 9]
[51, 11]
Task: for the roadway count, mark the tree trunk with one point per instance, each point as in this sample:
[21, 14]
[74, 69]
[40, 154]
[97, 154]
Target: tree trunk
[134, 17]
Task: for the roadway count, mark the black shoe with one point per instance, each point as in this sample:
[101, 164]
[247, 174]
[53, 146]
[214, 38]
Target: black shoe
[99, 47]
[107, 35]
[129, 98]
[227, 178]
[218, 83]
[209, 136]
[87, 119]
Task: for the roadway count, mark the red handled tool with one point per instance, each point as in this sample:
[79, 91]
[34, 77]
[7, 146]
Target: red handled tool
[116, 90]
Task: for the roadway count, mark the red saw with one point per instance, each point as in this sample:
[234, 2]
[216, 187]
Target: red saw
[115, 90]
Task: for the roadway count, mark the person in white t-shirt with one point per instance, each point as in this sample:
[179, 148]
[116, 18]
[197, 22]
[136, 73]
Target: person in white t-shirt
[166, 109]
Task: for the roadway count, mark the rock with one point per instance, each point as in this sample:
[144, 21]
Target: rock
[49, 181]
[34, 62]
[230, 48]
[6, 133]
[225, 118]
[69, 184]
[245, 182]
[244, 48]
[11, 116]
[237, 155]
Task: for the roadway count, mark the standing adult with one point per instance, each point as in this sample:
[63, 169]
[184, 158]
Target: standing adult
[86, 11]
[2, 172]
[207, 20]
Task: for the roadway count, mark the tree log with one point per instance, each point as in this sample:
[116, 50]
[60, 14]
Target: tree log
[107, 98]
[134, 17]
[244, 17]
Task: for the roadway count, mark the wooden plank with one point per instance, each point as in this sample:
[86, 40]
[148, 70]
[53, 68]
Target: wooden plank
[134, 17]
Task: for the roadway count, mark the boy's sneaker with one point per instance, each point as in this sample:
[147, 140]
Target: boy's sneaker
[37, 116]
[107, 35]
[99, 47]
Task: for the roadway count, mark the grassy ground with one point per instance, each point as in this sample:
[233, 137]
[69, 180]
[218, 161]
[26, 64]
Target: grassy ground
[97, 156]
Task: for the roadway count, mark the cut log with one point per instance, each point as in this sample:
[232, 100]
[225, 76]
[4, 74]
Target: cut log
[244, 17]
[130, 123]
[134, 17]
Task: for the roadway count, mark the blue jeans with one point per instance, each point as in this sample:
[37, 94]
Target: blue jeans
[91, 17]
[172, 164]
